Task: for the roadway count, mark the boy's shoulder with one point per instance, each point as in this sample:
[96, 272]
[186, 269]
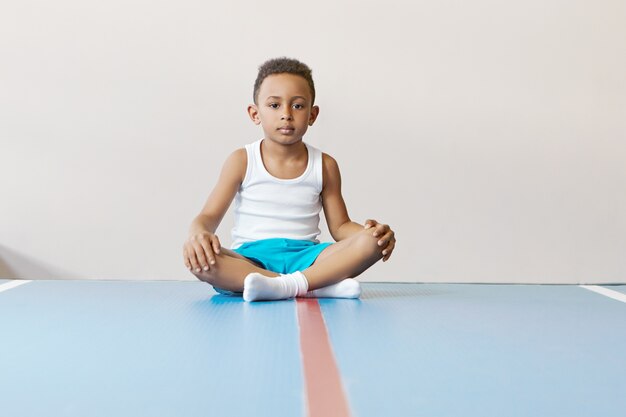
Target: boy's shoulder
[240, 153]
[328, 161]
[330, 169]
[236, 163]
[238, 156]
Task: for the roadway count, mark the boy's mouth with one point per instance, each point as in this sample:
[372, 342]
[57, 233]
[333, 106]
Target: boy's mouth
[286, 129]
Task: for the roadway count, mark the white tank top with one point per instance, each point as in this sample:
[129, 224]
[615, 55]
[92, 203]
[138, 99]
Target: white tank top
[268, 207]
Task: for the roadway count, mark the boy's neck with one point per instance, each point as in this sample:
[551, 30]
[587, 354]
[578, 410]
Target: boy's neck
[295, 150]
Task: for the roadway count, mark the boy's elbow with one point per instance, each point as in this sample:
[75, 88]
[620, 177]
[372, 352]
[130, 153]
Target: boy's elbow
[341, 232]
[334, 232]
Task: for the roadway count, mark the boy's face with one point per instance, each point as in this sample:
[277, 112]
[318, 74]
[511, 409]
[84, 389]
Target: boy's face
[284, 108]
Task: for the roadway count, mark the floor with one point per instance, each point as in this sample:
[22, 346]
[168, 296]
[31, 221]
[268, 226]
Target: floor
[154, 348]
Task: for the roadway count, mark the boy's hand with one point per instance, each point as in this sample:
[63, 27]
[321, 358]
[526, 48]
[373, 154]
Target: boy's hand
[388, 239]
[199, 251]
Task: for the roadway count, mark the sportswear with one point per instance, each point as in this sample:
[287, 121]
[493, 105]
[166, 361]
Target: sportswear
[267, 207]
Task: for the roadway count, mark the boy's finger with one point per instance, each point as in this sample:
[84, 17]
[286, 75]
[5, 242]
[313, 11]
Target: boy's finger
[216, 245]
[193, 262]
[201, 258]
[384, 243]
[186, 258]
[207, 256]
[389, 249]
[369, 223]
[381, 229]
[388, 237]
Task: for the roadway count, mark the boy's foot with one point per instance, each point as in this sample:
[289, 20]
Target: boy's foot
[257, 287]
[348, 288]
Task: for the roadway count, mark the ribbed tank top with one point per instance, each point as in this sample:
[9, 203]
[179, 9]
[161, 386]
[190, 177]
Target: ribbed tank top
[268, 207]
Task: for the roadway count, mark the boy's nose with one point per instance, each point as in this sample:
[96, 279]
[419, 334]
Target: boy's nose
[286, 116]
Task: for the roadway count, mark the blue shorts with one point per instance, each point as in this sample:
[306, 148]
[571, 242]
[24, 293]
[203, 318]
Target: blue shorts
[279, 255]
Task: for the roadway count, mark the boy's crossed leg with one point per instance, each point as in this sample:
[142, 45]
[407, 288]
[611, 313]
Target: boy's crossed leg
[231, 269]
[329, 276]
[348, 258]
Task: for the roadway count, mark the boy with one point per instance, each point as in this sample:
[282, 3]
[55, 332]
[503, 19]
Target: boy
[281, 184]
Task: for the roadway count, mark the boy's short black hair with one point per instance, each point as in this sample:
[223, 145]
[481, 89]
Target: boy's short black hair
[280, 66]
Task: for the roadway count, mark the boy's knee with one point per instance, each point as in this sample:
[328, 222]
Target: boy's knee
[207, 276]
[202, 276]
[367, 242]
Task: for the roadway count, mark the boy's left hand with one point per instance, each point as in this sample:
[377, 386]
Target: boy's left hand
[388, 239]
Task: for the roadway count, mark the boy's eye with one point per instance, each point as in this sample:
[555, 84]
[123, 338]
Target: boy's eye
[295, 106]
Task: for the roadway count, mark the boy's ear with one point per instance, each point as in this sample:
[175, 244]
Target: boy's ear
[315, 111]
[253, 112]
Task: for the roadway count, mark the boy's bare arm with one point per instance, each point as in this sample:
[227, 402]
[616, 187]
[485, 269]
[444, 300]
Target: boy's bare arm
[203, 223]
[334, 206]
[223, 193]
[199, 249]
[339, 223]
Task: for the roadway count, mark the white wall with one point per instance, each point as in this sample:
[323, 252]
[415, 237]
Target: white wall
[491, 135]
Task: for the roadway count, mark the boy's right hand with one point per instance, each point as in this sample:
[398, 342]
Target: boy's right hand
[199, 251]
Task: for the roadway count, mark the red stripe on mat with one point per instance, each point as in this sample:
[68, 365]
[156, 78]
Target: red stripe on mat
[324, 393]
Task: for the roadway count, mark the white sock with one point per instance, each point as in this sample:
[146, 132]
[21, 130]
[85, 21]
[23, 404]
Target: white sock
[348, 288]
[258, 287]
